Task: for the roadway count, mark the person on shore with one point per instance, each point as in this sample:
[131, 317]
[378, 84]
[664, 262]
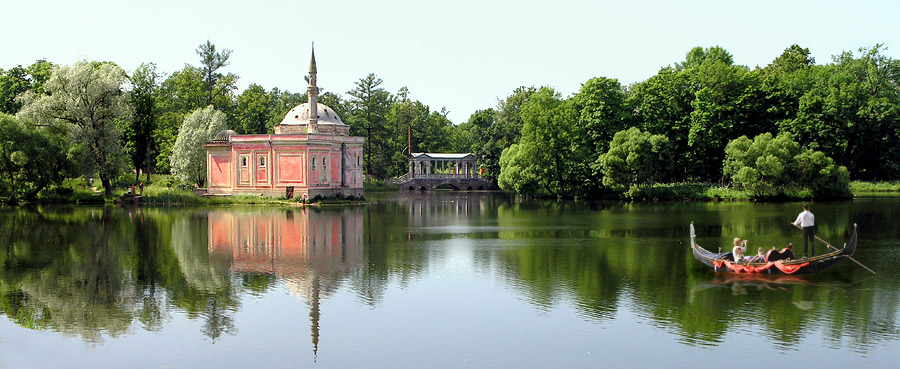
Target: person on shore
[806, 220]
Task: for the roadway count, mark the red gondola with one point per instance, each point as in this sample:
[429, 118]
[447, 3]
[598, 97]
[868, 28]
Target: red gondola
[723, 262]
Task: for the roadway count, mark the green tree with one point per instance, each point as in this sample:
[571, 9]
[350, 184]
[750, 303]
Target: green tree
[472, 134]
[215, 83]
[729, 103]
[661, 105]
[180, 93]
[189, 154]
[12, 83]
[282, 103]
[698, 55]
[785, 81]
[601, 110]
[852, 114]
[139, 134]
[600, 104]
[193, 88]
[770, 167]
[31, 159]
[40, 72]
[87, 100]
[491, 131]
[544, 150]
[19, 79]
[763, 165]
[635, 159]
[253, 110]
[369, 105]
[517, 174]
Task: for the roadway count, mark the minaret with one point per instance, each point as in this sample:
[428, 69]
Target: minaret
[313, 95]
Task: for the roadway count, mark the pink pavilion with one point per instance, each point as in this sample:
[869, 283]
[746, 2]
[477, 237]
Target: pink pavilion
[309, 154]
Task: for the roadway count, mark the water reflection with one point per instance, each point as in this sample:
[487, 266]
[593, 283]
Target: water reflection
[313, 252]
[96, 273]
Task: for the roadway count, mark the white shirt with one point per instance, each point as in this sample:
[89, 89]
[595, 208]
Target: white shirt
[738, 252]
[805, 219]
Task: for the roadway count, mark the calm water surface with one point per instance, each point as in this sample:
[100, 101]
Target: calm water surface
[439, 280]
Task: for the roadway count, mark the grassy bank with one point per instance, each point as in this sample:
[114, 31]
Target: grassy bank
[165, 190]
[683, 191]
[162, 190]
[870, 187]
[378, 186]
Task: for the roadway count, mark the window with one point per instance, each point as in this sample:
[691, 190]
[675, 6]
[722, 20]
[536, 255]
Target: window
[324, 167]
[358, 164]
[243, 161]
[313, 163]
[262, 161]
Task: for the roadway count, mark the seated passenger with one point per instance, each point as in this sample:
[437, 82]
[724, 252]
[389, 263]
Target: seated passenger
[785, 254]
[788, 251]
[760, 256]
[753, 258]
[739, 248]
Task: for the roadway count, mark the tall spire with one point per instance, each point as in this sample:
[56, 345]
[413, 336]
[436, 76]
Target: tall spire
[312, 60]
[313, 93]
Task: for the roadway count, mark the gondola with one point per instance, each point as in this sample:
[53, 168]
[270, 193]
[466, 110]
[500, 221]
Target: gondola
[777, 262]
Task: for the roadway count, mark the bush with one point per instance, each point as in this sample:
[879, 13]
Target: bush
[772, 168]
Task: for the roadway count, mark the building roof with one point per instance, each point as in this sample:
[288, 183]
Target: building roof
[299, 115]
[418, 155]
[224, 135]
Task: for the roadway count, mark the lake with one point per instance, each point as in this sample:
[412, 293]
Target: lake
[444, 279]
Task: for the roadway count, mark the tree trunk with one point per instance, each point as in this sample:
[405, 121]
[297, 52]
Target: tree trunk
[107, 186]
[148, 161]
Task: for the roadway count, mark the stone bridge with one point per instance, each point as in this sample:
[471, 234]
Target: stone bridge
[428, 171]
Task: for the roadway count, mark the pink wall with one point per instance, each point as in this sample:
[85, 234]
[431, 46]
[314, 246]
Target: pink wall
[220, 170]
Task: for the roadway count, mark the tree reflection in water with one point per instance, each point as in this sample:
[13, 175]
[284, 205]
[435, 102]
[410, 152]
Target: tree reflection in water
[95, 272]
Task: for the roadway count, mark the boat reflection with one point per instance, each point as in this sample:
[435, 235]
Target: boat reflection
[740, 284]
[311, 251]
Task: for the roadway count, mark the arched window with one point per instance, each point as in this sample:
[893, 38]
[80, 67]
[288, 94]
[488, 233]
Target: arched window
[262, 161]
[358, 164]
[313, 163]
[324, 166]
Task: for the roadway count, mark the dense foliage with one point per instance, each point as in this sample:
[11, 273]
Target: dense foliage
[87, 102]
[635, 159]
[31, 159]
[534, 141]
[189, 154]
[770, 167]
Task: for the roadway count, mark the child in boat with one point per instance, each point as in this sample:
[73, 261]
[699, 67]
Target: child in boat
[749, 258]
[759, 258]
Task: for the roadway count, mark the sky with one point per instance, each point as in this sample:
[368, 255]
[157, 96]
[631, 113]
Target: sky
[460, 55]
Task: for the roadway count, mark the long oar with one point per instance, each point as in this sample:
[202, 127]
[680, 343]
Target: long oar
[836, 249]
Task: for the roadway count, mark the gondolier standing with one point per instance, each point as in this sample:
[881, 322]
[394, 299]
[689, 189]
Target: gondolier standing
[806, 220]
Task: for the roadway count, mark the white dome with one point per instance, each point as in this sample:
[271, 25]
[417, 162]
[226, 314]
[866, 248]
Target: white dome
[299, 115]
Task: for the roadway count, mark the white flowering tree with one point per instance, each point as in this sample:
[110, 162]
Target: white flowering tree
[86, 101]
[188, 158]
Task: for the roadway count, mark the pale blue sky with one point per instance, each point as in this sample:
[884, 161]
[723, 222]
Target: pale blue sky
[462, 55]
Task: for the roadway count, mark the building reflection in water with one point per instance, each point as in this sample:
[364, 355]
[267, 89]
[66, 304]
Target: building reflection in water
[311, 251]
